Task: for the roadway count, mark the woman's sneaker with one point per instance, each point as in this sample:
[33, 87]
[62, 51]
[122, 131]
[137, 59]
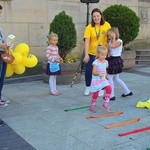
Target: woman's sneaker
[3, 104]
[101, 93]
[4, 101]
[87, 91]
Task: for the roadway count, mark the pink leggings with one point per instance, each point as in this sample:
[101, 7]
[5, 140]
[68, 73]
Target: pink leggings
[107, 89]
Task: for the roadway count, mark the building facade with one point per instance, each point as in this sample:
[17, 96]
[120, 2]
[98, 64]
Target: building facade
[29, 20]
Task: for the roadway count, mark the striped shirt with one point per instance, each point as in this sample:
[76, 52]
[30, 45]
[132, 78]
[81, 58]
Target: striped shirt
[52, 53]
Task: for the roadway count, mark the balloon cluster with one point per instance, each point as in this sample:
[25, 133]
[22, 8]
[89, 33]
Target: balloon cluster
[22, 60]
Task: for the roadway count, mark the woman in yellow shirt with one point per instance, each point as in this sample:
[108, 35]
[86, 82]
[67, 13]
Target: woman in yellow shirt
[95, 34]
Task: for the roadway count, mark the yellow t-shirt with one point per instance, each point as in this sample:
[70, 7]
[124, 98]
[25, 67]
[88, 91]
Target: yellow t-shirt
[92, 32]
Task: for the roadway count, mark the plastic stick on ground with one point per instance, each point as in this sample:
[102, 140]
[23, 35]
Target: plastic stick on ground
[105, 115]
[122, 123]
[77, 108]
[134, 131]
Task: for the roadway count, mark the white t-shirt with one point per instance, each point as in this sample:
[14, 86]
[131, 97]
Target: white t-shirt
[116, 51]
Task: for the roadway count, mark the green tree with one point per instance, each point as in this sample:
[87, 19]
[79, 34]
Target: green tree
[63, 26]
[125, 19]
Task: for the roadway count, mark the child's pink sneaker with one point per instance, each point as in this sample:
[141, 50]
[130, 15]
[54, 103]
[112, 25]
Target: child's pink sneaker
[93, 108]
[105, 106]
[54, 93]
[59, 93]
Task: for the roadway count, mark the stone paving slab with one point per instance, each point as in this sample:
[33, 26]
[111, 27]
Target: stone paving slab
[40, 119]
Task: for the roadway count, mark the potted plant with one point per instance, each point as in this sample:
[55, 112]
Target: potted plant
[63, 26]
[128, 23]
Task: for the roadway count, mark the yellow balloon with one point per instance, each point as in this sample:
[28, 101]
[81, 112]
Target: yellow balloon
[18, 58]
[9, 70]
[19, 69]
[30, 61]
[22, 48]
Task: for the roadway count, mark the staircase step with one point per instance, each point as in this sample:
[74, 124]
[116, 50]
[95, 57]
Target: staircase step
[142, 60]
[142, 50]
[142, 56]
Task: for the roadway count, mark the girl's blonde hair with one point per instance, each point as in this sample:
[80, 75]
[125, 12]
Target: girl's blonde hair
[51, 35]
[101, 49]
[114, 30]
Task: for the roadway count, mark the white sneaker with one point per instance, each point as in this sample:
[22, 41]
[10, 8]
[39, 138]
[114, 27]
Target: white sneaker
[101, 93]
[87, 91]
[3, 104]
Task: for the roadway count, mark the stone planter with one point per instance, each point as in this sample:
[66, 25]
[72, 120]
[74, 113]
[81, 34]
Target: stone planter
[68, 71]
[129, 59]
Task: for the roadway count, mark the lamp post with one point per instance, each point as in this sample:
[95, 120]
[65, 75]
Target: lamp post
[87, 3]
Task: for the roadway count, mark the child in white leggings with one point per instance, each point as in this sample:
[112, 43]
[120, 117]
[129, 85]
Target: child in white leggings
[115, 62]
[53, 66]
[116, 77]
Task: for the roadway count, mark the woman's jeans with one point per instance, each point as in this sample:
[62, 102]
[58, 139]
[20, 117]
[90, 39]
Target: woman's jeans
[2, 74]
[88, 70]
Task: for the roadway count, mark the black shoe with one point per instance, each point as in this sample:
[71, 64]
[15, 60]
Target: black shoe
[129, 94]
[113, 98]
[1, 122]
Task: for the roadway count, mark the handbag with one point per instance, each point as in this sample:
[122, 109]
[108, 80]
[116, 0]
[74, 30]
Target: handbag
[54, 67]
[7, 57]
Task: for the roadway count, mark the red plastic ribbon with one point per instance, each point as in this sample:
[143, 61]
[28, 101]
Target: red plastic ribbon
[134, 131]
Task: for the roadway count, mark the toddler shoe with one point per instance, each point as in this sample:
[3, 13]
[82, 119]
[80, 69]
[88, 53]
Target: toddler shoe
[54, 93]
[93, 107]
[105, 106]
[59, 93]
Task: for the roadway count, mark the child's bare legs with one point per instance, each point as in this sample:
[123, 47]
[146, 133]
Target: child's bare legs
[108, 90]
[93, 101]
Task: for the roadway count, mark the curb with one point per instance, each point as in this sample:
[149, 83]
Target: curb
[23, 79]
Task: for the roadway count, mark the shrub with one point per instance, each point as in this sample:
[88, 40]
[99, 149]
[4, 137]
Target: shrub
[64, 27]
[125, 19]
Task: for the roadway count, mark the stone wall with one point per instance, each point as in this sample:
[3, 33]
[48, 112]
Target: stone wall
[29, 20]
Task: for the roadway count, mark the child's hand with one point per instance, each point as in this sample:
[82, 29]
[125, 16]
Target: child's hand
[58, 60]
[113, 35]
[107, 77]
[61, 60]
[102, 75]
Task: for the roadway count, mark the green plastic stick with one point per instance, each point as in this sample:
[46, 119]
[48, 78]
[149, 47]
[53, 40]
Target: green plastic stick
[77, 108]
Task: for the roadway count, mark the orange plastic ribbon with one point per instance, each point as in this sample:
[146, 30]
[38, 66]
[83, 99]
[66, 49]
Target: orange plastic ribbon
[105, 115]
[122, 123]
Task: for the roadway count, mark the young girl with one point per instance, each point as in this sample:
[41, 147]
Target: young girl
[53, 68]
[115, 62]
[99, 79]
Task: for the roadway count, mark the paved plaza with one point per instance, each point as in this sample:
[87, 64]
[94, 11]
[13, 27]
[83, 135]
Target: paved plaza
[40, 120]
